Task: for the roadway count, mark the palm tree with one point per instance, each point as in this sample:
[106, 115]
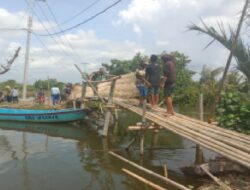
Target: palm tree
[233, 43]
[241, 52]
[209, 82]
[208, 77]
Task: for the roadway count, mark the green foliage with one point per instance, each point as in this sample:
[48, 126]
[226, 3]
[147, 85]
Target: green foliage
[45, 84]
[241, 52]
[10, 83]
[119, 67]
[209, 83]
[186, 91]
[233, 112]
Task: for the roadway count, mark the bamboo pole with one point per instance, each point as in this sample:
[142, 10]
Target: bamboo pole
[226, 132]
[138, 128]
[205, 137]
[149, 172]
[89, 83]
[216, 180]
[208, 127]
[147, 182]
[84, 89]
[239, 145]
[199, 156]
[165, 169]
[108, 111]
[225, 150]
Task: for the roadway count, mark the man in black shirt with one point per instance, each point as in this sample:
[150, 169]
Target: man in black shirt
[169, 79]
[153, 76]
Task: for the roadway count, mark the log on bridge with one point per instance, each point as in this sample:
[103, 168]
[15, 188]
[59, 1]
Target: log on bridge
[232, 145]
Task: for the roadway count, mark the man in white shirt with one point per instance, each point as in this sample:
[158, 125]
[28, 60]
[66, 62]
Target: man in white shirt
[14, 95]
[55, 95]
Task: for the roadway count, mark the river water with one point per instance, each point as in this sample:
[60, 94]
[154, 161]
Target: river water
[67, 156]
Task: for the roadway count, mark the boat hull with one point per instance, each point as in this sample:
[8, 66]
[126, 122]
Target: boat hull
[41, 116]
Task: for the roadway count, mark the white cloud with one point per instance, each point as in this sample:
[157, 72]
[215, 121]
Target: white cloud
[157, 24]
[166, 24]
[137, 29]
[162, 43]
[86, 49]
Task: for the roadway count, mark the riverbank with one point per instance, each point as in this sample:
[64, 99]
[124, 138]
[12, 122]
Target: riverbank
[234, 181]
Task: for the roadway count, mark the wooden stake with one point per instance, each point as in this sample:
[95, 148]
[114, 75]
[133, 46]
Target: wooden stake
[108, 111]
[147, 182]
[199, 157]
[74, 104]
[165, 169]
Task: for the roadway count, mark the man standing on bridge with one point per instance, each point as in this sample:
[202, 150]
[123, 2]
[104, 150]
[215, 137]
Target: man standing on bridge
[168, 82]
[153, 76]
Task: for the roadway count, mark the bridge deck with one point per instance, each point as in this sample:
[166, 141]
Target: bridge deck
[232, 145]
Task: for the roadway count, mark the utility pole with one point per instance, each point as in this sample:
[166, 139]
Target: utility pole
[26, 66]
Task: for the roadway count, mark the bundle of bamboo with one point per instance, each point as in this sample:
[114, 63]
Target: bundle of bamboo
[125, 88]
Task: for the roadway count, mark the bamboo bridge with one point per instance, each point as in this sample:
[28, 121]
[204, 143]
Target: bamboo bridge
[232, 145]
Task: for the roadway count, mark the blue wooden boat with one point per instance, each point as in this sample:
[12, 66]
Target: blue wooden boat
[41, 116]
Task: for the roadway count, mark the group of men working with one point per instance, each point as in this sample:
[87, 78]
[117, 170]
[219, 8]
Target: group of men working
[10, 95]
[150, 81]
[56, 95]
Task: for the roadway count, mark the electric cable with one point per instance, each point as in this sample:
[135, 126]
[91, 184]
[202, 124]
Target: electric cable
[52, 37]
[66, 39]
[83, 22]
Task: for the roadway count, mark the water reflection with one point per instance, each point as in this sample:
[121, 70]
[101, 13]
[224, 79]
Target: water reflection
[66, 156]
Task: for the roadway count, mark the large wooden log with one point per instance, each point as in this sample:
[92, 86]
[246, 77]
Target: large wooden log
[149, 172]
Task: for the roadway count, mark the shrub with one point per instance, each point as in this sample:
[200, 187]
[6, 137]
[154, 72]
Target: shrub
[233, 112]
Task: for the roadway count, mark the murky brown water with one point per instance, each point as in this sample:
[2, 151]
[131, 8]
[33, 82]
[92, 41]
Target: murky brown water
[64, 156]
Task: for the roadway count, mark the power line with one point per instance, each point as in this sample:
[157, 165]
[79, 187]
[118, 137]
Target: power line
[76, 15]
[66, 39]
[43, 44]
[52, 37]
[85, 21]
[59, 39]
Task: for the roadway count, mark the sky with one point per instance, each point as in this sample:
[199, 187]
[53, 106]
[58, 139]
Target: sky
[131, 26]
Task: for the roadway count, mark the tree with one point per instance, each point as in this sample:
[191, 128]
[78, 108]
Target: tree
[233, 43]
[186, 90]
[48, 83]
[6, 68]
[119, 67]
[209, 83]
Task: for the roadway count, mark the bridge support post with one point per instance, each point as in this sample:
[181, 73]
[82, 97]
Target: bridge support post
[84, 89]
[199, 157]
[108, 112]
[143, 127]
